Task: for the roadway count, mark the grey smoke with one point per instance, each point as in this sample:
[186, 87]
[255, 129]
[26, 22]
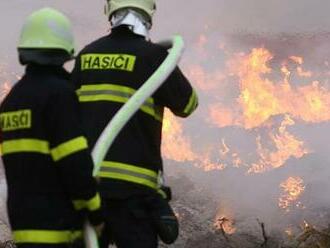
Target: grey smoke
[178, 16]
[217, 19]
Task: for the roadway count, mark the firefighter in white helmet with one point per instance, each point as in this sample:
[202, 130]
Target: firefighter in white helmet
[47, 162]
[107, 73]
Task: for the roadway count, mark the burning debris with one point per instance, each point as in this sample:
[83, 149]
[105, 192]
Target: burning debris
[195, 208]
[251, 147]
[256, 148]
[292, 188]
[225, 225]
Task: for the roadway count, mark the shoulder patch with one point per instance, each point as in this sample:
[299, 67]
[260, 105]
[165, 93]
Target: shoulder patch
[15, 120]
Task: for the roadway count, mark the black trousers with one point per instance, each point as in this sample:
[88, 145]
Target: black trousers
[128, 224]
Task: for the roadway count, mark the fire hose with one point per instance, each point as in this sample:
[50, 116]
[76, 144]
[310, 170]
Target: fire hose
[176, 47]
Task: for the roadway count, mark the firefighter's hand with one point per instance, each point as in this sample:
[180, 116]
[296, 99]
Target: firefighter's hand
[98, 229]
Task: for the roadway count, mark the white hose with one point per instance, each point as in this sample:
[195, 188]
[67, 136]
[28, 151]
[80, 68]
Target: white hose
[128, 110]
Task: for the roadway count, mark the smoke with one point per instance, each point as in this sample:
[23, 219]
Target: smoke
[252, 15]
[218, 16]
[216, 32]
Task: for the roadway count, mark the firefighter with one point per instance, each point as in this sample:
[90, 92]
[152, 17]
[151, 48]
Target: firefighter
[107, 73]
[46, 158]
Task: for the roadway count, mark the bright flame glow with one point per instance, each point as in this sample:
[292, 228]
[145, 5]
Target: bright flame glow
[292, 189]
[286, 146]
[4, 90]
[175, 145]
[225, 223]
[261, 98]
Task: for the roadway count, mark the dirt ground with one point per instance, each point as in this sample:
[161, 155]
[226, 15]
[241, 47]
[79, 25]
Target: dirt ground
[196, 211]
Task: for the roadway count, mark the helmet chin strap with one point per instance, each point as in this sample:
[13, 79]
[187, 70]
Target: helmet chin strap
[134, 20]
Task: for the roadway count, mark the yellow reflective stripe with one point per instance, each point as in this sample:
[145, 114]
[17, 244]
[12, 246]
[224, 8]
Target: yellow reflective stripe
[94, 98]
[129, 167]
[128, 178]
[24, 145]
[116, 93]
[69, 147]
[192, 104]
[118, 99]
[112, 87]
[152, 112]
[130, 173]
[45, 236]
[95, 61]
[92, 87]
[91, 204]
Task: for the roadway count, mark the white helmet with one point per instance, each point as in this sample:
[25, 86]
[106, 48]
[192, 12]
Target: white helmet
[147, 7]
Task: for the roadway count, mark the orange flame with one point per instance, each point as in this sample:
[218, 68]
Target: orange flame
[223, 222]
[286, 146]
[258, 99]
[261, 98]
[297, 59]
[175, 145]
[4, 90]
[205, 81]
[292, 189]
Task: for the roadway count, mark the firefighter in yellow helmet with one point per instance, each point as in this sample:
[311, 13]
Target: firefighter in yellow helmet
[107, 73]
[47, 162]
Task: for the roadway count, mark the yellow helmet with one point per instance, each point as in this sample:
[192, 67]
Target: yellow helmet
[146, 6]
[47, 29]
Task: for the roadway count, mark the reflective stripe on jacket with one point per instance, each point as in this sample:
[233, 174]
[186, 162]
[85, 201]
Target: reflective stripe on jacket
[106, 74]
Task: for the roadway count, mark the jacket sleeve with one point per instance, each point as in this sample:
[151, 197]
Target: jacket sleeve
[75, 75]
[177, 93]
[69, 151]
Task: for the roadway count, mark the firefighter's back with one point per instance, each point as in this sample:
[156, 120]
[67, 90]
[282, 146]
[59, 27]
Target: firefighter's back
[48, 165]
[34, 184]
[111, 70]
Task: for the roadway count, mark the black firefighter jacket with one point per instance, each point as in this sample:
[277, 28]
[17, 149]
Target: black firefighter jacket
[47, 162]
[107, 73]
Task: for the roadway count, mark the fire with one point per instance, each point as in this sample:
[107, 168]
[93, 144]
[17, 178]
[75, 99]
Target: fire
[292, 189]
[224, 220]
[225, 224]
[175, 145]
[257, 97]
[260, 97]
[206, 164]
[225, 115]
[286, 144]
[4, 89]
[6, 78]
[179, 148]
[203, 80]
[297, 59]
